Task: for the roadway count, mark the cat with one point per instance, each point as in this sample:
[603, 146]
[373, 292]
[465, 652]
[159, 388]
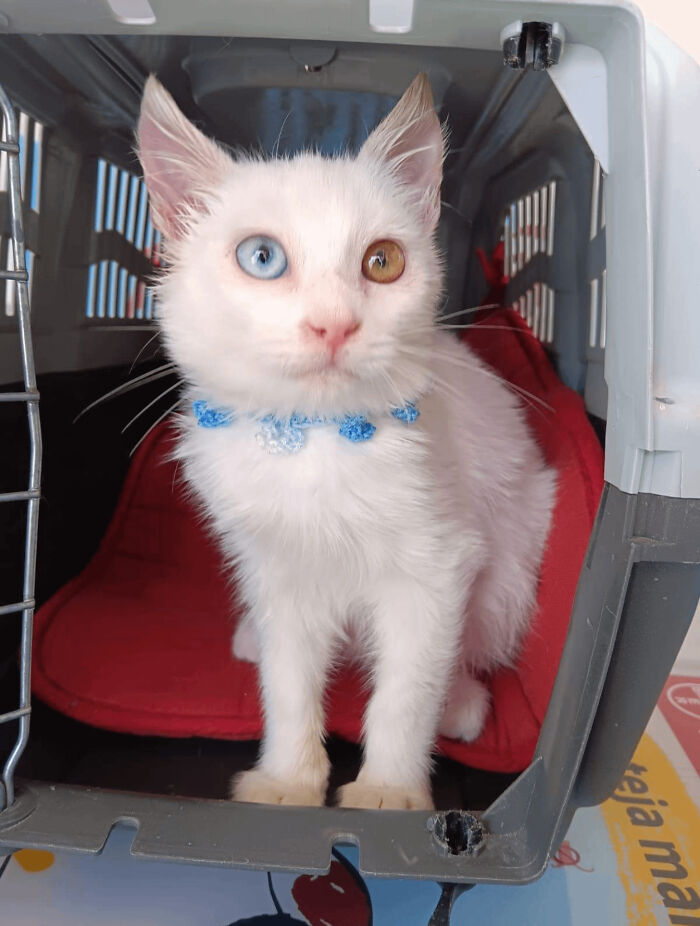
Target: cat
[373, 483]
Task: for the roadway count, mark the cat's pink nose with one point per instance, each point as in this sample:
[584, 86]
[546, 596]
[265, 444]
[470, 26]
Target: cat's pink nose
[333, 335]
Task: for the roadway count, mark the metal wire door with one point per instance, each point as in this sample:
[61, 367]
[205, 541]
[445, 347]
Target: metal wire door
[30, 496]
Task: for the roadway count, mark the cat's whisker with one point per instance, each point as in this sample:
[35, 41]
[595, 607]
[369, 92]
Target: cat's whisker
[460, 362]
[149, 341]
[155, 424]
[464, 363]
[477, 326]
[151, 404]
[446, 387]
[524, 393]
[474, 308]
[422, 357]
[167, 369]
[472, 326]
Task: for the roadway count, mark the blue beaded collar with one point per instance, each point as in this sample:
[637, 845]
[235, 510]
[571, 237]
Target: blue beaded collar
[286, 435]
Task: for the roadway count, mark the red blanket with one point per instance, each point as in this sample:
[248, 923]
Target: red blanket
[140, 641]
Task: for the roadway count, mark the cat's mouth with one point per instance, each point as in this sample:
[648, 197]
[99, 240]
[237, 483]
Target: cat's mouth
[327, 373]
[323, 368]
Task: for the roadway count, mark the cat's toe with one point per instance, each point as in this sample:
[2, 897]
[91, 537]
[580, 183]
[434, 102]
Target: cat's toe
[383, 797]
[465, 716]
[245, 643]
[257, 787]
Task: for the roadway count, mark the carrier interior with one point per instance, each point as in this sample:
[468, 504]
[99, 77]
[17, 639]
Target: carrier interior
[519, 172]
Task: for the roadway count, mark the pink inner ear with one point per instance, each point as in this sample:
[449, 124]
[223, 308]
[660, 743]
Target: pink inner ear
[159, 155]
[410, 141]
[418, 153]
[179, 163]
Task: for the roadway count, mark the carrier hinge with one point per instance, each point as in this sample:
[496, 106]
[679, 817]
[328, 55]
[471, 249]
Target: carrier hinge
[535, 45]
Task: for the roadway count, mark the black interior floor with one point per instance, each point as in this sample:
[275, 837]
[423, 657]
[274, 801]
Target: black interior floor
[62, 750]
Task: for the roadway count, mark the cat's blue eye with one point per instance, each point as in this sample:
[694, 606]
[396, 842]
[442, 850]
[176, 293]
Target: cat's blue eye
[261, 257]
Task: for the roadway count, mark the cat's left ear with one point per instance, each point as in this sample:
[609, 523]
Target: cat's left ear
[411, 141]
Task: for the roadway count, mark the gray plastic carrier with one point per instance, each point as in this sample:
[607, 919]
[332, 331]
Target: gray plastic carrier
[575, 139]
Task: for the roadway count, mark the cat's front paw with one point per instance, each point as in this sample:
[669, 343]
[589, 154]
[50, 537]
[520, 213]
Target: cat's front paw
[384, 797]
[246, 646]
[257, 787]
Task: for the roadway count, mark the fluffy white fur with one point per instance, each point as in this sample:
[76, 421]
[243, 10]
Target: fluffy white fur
[416, 551]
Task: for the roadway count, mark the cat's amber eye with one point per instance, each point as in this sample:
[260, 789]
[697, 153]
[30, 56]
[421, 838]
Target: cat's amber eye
[383, 262]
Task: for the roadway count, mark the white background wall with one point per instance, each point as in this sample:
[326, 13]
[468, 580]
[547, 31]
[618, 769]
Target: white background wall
[679, 19]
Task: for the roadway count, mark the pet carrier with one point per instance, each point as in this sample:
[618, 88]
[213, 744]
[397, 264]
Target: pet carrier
[571, 192]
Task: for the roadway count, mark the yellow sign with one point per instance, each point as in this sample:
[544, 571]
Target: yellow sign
[655, 831]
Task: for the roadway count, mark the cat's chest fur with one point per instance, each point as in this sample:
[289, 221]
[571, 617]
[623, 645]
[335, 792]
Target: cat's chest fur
[332, 495]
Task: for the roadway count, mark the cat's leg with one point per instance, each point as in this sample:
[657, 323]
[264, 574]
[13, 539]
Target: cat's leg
[295, 651]
[416, 629]
[467, 707]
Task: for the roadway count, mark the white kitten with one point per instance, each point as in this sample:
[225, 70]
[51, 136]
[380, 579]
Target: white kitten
[423, 542]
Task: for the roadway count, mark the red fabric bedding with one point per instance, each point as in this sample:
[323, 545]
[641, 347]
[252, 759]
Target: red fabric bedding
[140, 641]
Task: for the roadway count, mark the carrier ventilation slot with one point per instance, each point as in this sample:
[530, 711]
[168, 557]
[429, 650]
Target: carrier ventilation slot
[121, 206]
[536, 306]
[598, 285]
[528, 231]
[31, 140]
[528, 228]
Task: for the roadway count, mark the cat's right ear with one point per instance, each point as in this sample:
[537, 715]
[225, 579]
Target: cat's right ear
[181, 166]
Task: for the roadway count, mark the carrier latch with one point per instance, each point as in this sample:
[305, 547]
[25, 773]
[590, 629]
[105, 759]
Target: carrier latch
[535, 45]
